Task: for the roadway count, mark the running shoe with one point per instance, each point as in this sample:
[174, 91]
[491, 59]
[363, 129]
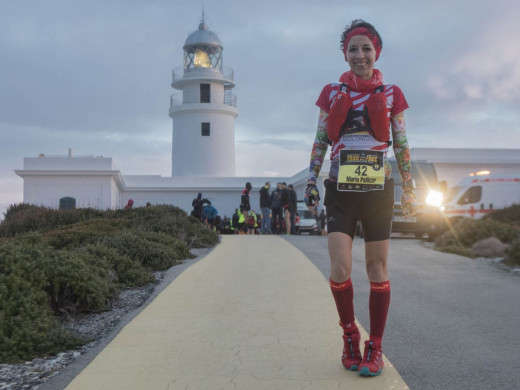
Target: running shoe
[351, 354]
[372, 363]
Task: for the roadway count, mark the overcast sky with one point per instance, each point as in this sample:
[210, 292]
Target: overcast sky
[94, 76]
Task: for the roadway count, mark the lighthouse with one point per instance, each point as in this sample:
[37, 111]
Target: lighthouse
[203, 114]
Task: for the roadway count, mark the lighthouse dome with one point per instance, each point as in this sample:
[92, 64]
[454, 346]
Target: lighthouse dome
[203, 36]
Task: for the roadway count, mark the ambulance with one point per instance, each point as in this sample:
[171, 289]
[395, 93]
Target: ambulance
[481, 193]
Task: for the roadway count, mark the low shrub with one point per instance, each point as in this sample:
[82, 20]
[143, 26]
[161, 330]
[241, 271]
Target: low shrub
[57, 262]
[80, 234]
[197, 235]
[466, 232]
[72, 281]
[125, 271]
[508, 215]
[186, 228]
[77, 282]
[27, 326]
[513, 254]
[149, 248]
[24, 218]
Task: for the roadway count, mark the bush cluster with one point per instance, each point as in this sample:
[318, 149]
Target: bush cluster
[509, 215]
[60, 263]
[513, 253]
[503, 225]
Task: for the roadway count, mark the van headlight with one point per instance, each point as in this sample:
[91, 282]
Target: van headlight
[434, 198]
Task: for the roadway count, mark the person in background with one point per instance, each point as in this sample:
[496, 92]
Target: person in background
[245, 206]
[130, 204]
[357, 117]
[252, 222]
[235, 222]
[265, 208]
[276, 207]
[209, 213]
[198, 207]
[225, 226]
[286, 204]
[293, 205]
[218, 224]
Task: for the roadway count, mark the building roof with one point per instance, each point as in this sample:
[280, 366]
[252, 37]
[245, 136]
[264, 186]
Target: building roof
[133, 182]
[203, 36]
[466, 156]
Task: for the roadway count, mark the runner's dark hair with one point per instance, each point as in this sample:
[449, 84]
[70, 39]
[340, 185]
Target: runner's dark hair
[359, 23]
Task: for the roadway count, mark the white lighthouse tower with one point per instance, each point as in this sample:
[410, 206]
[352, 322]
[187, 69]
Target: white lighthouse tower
[203, 142]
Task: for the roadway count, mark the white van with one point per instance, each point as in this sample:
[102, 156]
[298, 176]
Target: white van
[478, 195]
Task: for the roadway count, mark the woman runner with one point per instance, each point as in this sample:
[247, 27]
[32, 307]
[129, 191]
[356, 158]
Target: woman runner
[356, 117]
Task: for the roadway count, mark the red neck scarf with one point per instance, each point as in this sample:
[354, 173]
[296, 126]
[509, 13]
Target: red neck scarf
[357, 84]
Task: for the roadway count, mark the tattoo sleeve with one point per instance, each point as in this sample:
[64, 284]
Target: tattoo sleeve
[401, 149]
[319, 149]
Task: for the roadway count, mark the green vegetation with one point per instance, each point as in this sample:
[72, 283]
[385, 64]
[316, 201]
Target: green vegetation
[57, 262]
[502, 224]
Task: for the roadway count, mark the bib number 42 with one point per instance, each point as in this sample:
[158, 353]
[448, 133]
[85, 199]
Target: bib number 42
[361, 170]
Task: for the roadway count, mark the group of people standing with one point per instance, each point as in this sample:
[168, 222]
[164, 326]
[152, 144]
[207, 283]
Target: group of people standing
[205, 212]
[243, 221]
[278, 212]
[278, 209]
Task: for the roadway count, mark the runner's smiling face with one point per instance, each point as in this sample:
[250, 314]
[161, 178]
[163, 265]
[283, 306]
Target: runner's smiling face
[361, 56]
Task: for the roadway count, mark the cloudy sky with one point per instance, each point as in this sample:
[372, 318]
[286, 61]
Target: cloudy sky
[94, 76]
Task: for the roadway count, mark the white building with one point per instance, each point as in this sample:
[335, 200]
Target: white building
[68, 181]
[87, 181]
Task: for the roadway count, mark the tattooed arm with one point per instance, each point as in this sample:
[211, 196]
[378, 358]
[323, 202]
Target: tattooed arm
[401, 150]
[319, 149]
[402, 156]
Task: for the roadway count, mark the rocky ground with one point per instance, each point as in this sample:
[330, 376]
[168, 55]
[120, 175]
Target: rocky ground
[32, 374]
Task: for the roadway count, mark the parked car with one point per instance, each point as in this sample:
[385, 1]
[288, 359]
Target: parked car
[307, 222]
[429, 196]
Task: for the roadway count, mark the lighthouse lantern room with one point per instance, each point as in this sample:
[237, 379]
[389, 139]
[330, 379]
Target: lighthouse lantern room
[203, 141]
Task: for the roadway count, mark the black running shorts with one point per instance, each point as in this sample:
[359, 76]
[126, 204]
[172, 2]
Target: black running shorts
[373, 208]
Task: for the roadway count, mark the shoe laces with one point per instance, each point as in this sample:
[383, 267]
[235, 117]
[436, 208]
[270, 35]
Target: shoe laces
[369, 354]
[370, 351]
[349, 347]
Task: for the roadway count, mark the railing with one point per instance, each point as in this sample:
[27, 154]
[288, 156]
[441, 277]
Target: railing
[226, 98]
[224, 74]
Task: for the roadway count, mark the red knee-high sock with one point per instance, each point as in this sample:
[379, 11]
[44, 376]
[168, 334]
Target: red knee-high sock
[343, 294]
[378, 304]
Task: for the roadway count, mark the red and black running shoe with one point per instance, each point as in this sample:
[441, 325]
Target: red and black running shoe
[372, 363]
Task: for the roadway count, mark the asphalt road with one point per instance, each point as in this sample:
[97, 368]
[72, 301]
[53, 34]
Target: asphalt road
[454, 322]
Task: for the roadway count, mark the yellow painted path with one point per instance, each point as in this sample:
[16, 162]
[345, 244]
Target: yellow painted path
[253, 314]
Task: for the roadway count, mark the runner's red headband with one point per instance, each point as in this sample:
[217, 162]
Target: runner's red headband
[362, 31]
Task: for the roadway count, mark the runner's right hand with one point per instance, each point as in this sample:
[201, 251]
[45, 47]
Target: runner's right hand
[408, 203]
[312, 196]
